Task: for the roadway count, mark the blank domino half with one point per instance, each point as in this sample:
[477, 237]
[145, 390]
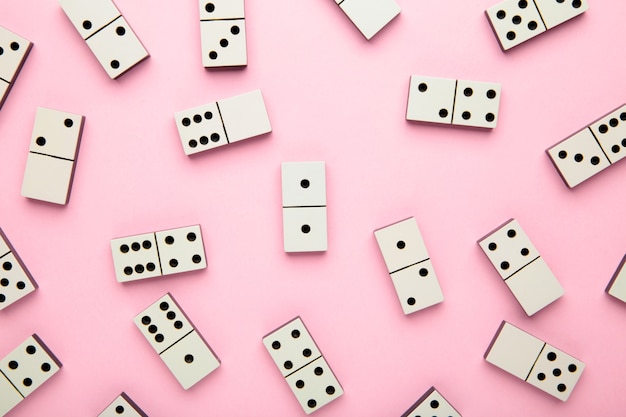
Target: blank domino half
[156, 254]
[122, 406]
[304, 206]
[220, 123]
[617, 285]
[592, 149]
[109, 36]
[519, 264]
[176, 340]
[456, 102]
[369, 16]
[534, 361]
[24, 370]
[13, 53]
[516, 21]
[409, 265]
[301, 363]
[52, 156]
[431, 404]
[15, 280]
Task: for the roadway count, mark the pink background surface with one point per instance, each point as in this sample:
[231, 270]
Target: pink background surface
[331, 96]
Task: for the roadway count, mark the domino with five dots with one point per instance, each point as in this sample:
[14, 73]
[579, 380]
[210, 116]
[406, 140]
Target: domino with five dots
[175, 339]
[304, 206]
[15, 280]
[301, 363]
[516, 21]
[220, 123]
[53, 151]
[592, 149]
[123, 406]
[13, 53]
[534, 361]
[456, 102]
[617, 285]
[369, 16]
[109, 36]
[432, 403]
[519, 264]
[157, 254]
[223, 33]
[409, 265]
[24, 370]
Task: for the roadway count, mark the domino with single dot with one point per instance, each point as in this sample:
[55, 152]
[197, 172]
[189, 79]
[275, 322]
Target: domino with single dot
[123, 406]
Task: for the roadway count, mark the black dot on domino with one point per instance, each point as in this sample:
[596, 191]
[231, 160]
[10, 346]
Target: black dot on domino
[466, 115]
[423, 272]
[139, 268]
[189, 358]
[311, 403]
[196, 259]
[27, 382]
[505, 265]
[595, 160]
[120, 30]
[191, 236]
[146, 320]
[516, 20]
[572, 368]
[3, 298]
[115, 64]
[173, 263]
[169, 239]
[186, 121]
[401, 244]
[30, 349]
[15, 46]
[68, 122]
[330, 390]
[215, 137]
[21, 285]
[178, 324]
[443, 113]
[159, 338]
[603, 128]
[128, 270]
[613, 122]
[86, 24]
[551, 356]
[41, 141]
[491, 94]
[532, 25]
[146, 244]
[208, 115]
[525, 251]
[152, 329]
[135, 246]
[305, 228]
[7, 266]
[490, 117]
[501, 14]
[561, 387]
[1, 50]
[468, 92]
[295, 333]
[13, 365]
[300, 384]
[209, 7]
[318, 371]
[410, 301]
[556, 372]
[203, 140]
[492, 246]
[522, 4]
[511, 233]
[422, 87]
[562, 154]
[541, 376]
[288, 365]
[235, 30]
[45, 367]
[4, 282]
[434, 404]
[306, 353]
[224, 43]
[510, 35]
[275, 345]
[213, 55]
[119, 409]
[578, 157]
[576, 4]
[197, 118]
[305, 183]
[171, 315]
[164, 306]
[615, 148]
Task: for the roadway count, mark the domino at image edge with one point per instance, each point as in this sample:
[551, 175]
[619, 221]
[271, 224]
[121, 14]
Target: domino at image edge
[11, 65]
[16, 281]
[369, 16]
[617, 284]
[432, 403]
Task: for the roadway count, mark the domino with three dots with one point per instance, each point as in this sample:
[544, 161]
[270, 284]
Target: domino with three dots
[24, 370]
[592, 149]
[534, 361]
[53, 151]
[15, 280]
[13, 53]
[301, 363]
[123, 406]
[109, 36]
[156, 254]
[220, 123]
[409, 265]
[304, 206]
[519, 264]
[223, 33]
[178, 343]
[369, 16]
[456, 102]
[516, 21]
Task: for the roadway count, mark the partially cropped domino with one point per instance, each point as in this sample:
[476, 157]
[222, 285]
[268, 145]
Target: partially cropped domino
[122, 406]
[516, 21]
[16, 282]
[617, 285]
[222, 122]
[592, 149]
[369, 16]
[534, 361]
[432, 403]
[13, 53]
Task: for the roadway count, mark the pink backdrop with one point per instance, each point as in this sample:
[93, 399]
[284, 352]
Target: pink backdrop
[335, 97]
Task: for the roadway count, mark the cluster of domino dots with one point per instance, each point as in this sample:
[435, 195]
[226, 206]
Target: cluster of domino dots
[254, 114]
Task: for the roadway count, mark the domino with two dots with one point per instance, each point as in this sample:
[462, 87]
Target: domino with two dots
[16, 282]
[534, 361]
[123, 406]
[617, 285]
[223, 33]
[516, 21]
[178, 343]
[301, 363]
[592, 149]
[109, 36]
[157, 254]
[24, 370]
[432, 403]
[13, 53]
[456, 102]
[369, 16]
[522, 268]
[409, 265]
[53, 151]
[304, 206]
[220, 123]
